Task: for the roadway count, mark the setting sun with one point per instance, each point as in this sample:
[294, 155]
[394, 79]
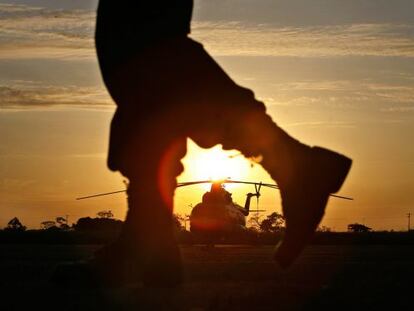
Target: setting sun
[214, 163]
[218, 164]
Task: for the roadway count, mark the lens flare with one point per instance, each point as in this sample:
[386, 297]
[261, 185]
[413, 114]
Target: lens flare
[214, 164]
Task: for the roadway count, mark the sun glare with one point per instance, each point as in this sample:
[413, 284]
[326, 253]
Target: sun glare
[213, 164]
[217, 164]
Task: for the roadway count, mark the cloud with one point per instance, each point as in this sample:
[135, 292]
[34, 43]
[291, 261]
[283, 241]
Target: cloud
[39, 33]
[338, 94]
[400, 109]
[26, 94]
[323, 124]
[305, 12]
[343, 94]
[31, 32]
[234, 38]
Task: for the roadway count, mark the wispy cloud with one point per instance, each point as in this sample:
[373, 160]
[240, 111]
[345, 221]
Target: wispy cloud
[29, 32]
[405, 92]
[23, 94]
[309, 41]
[33, 33]
[323, 124]
[399, 109]
[343, 94]
[340, 94]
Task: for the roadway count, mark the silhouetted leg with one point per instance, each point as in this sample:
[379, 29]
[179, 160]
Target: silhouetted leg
[230, 115]
[147, 237]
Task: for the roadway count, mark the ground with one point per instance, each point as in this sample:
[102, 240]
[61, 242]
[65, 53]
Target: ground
[223, 278]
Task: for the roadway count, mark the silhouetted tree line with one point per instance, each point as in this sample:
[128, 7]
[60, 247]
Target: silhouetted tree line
[266, 230]
[88, 224]
[101, 229]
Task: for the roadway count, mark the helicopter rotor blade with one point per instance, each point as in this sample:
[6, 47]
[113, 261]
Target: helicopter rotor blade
[341, 197]
[257, 185]
[190, 183]
[99, 195]
[260, 184]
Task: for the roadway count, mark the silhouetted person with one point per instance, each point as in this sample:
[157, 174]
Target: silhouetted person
[168, 88]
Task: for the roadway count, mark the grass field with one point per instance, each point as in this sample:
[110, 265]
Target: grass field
[224, 278]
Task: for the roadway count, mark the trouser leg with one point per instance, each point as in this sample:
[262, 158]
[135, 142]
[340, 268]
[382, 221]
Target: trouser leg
[147, 235]
[228, 114]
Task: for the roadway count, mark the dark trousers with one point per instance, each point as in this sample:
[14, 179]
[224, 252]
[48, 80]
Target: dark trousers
[166, 93]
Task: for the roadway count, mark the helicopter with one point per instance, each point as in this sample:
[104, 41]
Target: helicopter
[217, 214]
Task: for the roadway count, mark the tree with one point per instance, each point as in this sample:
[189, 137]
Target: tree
[15, 225]
[254, 222]
[324, 229]
[62, 222]
[48, 224]
[358, 228]
[180, 221]
[274, 222]
[105, 214]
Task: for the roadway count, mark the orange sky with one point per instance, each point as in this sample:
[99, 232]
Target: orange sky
[337, 74]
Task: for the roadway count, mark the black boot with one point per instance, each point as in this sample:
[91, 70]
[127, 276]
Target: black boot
[307, 179]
